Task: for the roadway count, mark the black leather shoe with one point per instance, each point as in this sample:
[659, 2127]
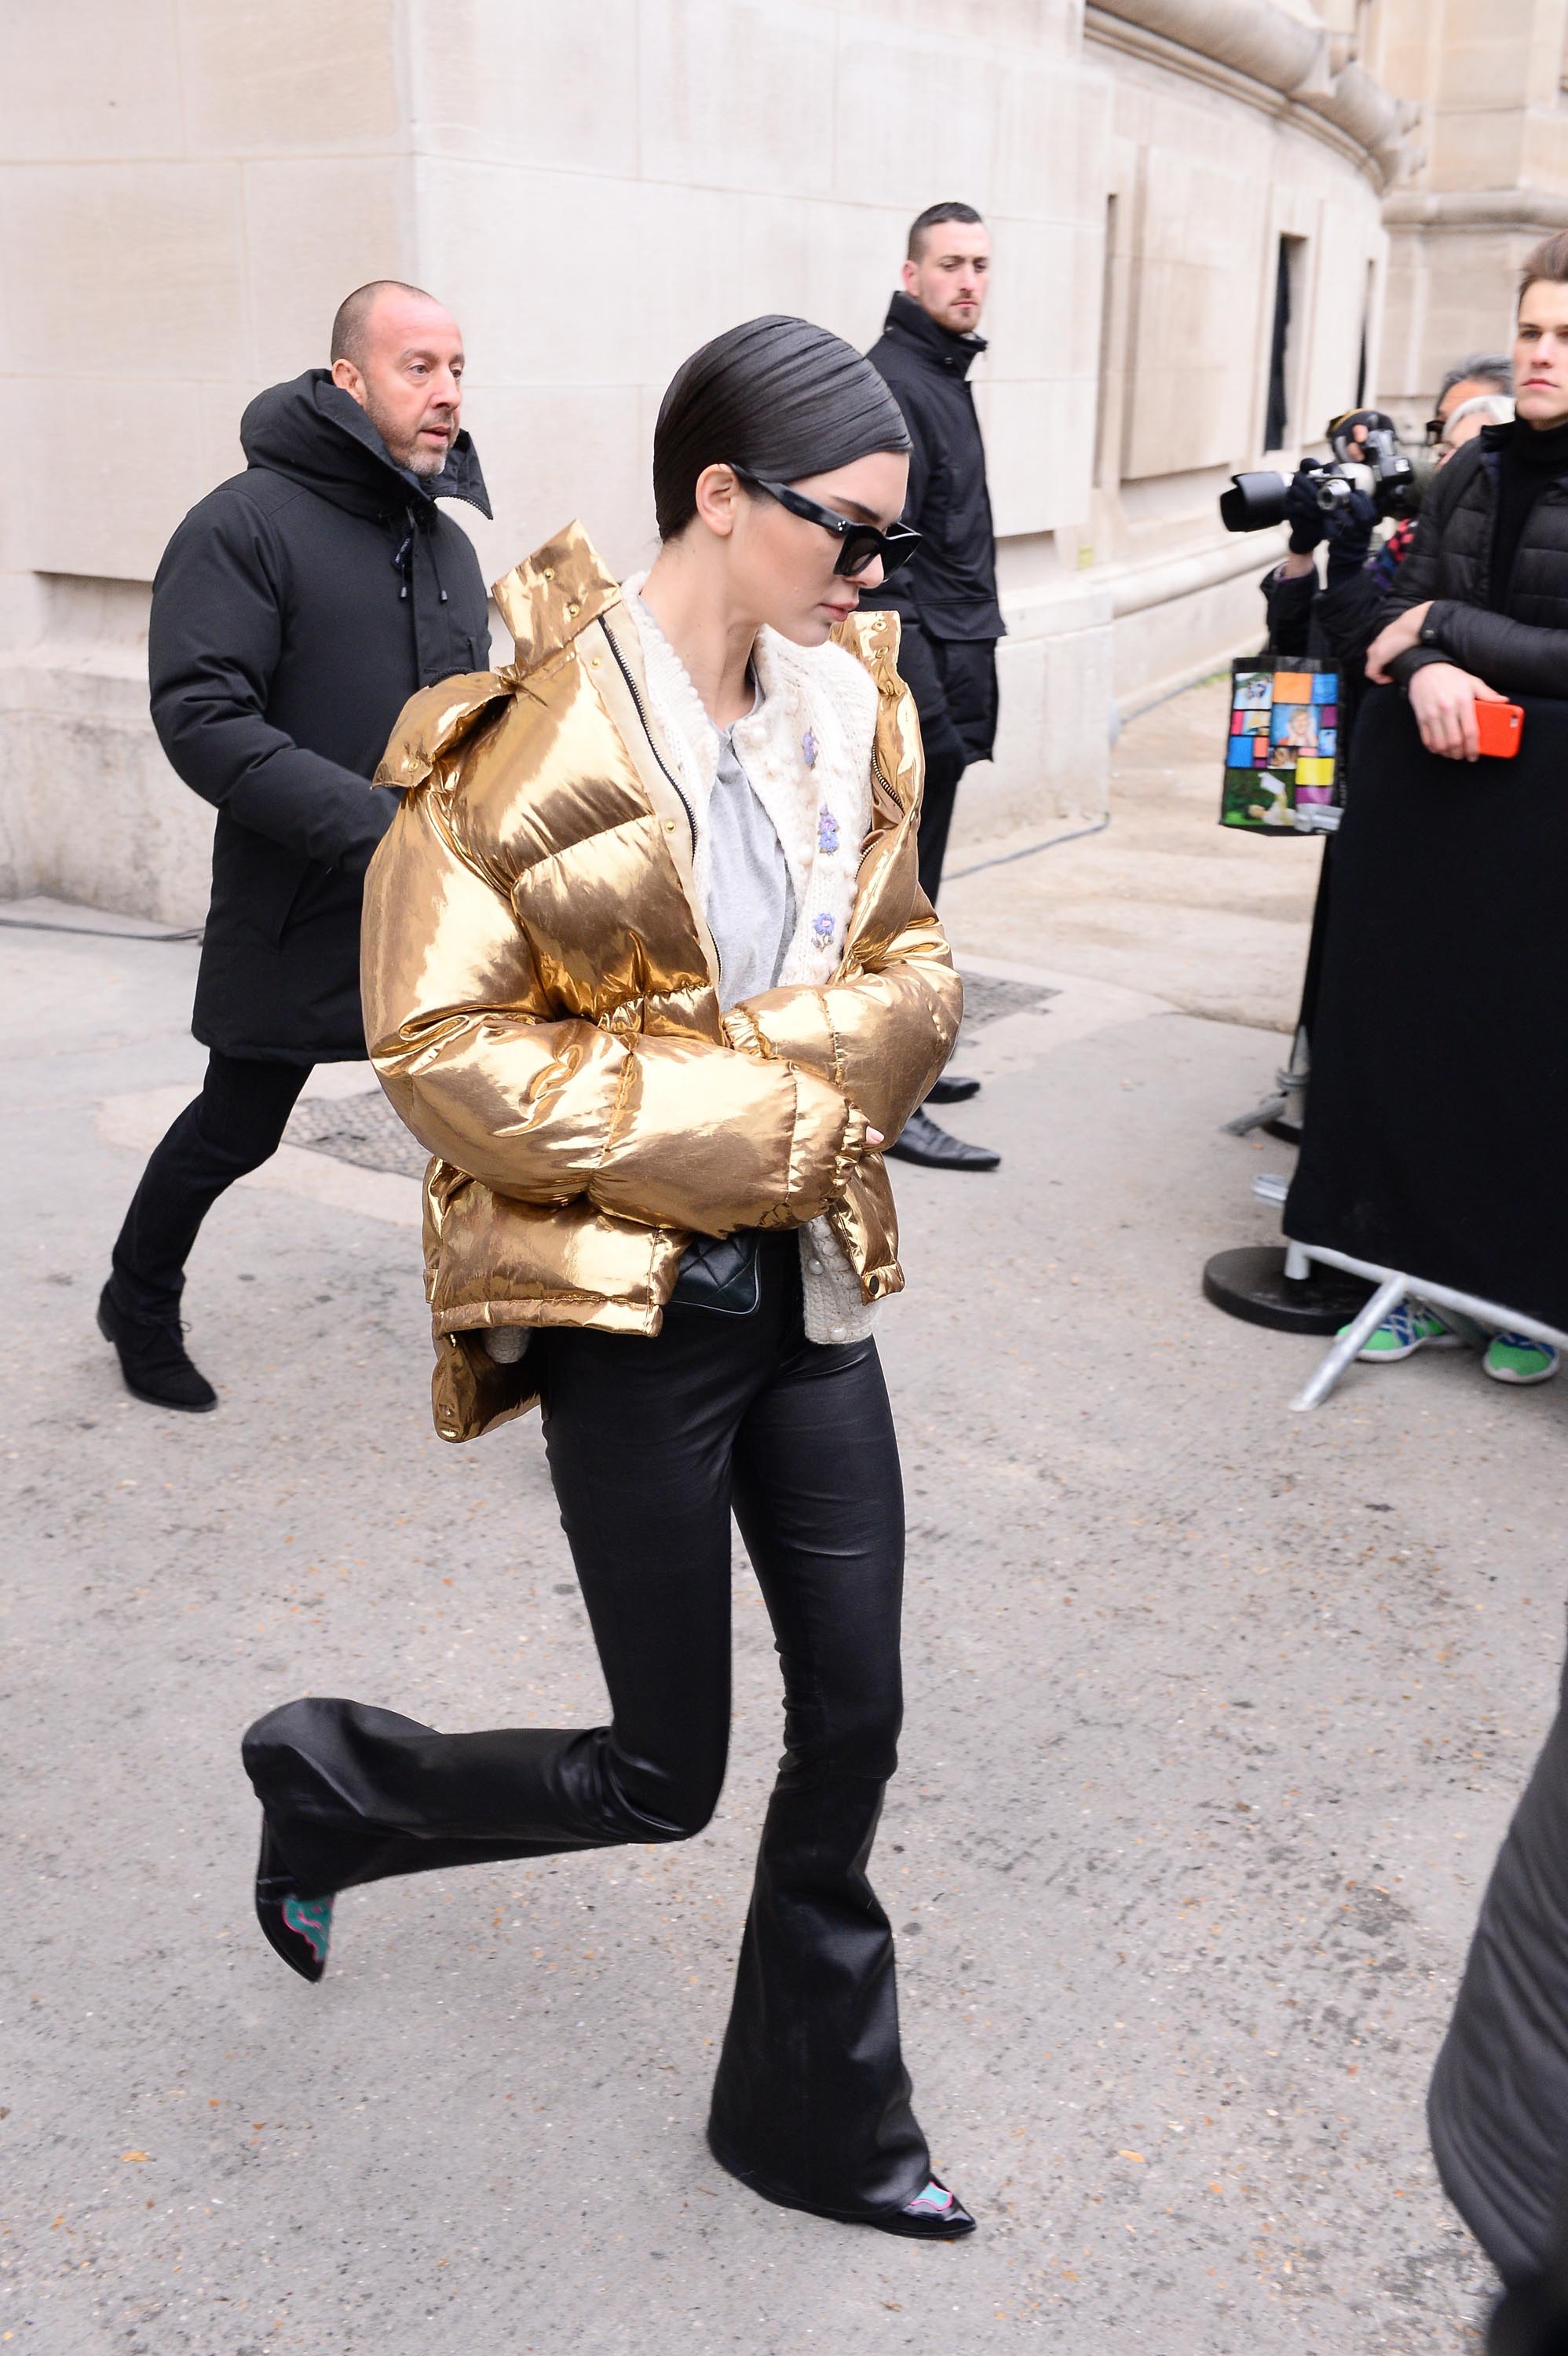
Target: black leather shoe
[298, 1929]
[950, 1089]
[918, 2222]
[920, 1140]
[153, 1358]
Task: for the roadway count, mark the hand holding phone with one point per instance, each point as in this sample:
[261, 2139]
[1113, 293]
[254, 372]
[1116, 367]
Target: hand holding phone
[1498, 727]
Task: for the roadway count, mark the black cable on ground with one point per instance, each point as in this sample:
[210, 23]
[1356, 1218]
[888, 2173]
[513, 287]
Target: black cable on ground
[1006, 858]
[94, 932]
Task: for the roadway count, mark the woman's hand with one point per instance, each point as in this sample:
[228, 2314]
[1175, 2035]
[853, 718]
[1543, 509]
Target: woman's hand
[1444, 699]
[1403, 633]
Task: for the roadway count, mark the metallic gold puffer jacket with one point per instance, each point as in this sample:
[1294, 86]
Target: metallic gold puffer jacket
[539, 997]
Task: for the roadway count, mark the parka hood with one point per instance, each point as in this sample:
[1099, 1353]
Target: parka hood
[317, 436]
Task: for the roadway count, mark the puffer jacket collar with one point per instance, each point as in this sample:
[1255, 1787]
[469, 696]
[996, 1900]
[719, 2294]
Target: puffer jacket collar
[555, 594]
[312, 433]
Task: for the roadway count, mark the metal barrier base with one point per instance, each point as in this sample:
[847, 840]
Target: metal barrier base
[1251, 1283]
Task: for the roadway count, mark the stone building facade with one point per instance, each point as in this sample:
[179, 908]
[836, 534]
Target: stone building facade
[186, 194]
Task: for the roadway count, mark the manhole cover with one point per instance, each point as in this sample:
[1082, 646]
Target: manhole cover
[363, 1129]
[987, 998]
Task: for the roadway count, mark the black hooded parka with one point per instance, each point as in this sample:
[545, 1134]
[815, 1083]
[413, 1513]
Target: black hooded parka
[296, 609]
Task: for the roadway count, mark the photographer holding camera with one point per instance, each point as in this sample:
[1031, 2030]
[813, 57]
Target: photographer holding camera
[1336, 618]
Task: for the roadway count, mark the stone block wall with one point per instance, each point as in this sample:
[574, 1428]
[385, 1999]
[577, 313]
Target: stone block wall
[186, 193]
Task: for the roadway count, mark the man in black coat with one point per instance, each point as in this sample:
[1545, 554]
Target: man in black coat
[1479, 610]
[947, 598]
[296, 609]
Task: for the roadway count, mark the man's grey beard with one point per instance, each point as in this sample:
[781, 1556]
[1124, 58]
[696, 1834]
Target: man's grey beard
[419, 463]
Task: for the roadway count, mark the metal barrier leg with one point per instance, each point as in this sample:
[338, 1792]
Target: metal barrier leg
[1351, 1340]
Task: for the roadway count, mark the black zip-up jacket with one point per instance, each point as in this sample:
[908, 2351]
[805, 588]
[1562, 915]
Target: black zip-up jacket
[296, 609]
[1522, 650]
[949, 591]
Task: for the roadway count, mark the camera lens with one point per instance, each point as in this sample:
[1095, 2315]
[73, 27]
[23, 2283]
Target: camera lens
[1253, 503]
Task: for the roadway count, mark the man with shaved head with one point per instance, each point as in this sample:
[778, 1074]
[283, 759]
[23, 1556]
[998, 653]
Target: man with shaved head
[296, 609]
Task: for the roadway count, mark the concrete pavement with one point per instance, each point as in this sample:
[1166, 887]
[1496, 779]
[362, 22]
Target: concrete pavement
[1216, 1716]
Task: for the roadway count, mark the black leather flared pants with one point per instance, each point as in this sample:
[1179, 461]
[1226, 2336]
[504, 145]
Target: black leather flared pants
[651, 1445]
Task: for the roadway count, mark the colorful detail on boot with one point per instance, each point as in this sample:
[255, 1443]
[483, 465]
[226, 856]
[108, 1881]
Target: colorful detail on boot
[935, 2196]
[310, 1918]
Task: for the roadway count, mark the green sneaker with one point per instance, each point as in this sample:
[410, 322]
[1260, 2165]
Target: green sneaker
[1408, 1327]
[1515, 1358]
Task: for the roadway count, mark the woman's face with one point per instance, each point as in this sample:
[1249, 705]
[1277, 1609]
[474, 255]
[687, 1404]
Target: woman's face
[780, 565]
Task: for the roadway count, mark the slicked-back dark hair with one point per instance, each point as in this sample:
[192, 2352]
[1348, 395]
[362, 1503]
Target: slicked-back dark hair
[775, 395]
[932, 217]
[353, 316]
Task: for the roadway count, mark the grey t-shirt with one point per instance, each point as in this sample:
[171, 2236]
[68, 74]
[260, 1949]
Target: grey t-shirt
[751, 900]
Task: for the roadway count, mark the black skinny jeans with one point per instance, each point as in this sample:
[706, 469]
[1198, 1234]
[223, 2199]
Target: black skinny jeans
[231, 1128]
[651, 1445]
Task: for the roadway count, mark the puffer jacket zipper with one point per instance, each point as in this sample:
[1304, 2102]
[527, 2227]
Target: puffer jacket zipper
[622, 667]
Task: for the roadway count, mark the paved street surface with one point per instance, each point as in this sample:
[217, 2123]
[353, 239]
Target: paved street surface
[1216, 1716]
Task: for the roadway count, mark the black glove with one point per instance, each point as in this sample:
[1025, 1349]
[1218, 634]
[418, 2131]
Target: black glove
[1302, 512]
[1349, 528]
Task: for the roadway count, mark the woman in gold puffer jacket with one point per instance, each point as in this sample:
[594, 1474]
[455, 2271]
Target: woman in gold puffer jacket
[647, 969]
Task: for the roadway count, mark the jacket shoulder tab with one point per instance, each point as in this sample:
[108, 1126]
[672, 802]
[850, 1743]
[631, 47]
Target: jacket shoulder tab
[872, 636]
[553, 594]
[898, 764]
[434, 722]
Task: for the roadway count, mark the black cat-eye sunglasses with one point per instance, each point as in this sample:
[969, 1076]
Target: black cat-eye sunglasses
[860, 544]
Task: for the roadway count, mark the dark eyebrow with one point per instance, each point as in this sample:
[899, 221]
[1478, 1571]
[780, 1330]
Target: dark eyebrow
[853, 508]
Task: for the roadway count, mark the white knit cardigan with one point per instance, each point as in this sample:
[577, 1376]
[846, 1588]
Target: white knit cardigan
[806, 752]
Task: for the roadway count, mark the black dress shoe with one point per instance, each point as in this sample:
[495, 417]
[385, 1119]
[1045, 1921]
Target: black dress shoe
[950, 1089]
[920, 1140]
[917, 2220]
[153, 1358]
[298, 1929]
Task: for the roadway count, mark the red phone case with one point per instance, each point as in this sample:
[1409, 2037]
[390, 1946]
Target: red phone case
[1498, 727]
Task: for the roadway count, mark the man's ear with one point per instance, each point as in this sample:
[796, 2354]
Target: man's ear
[345, 374]
[910, 275]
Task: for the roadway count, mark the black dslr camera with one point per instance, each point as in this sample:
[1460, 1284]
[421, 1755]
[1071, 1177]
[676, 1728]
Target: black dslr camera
[1372, 464]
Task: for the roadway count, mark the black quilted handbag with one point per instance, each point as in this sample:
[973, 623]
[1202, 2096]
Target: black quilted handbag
[721, 1273]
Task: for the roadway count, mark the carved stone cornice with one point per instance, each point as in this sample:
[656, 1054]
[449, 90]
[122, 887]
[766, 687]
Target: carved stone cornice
[1259, 53]
[1530, 209]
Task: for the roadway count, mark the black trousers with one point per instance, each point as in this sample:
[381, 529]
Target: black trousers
[651, 1444]
[233, 1127]
[942, 782]
[966, 670]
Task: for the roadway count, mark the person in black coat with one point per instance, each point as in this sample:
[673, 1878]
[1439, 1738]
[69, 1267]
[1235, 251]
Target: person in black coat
[1478, 613]
[296, 609]
[947, 597]
[1480, 607]
[1498, 2107]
